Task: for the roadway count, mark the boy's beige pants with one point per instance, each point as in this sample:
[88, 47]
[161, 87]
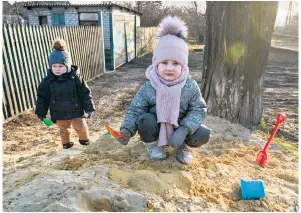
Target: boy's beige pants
[80, 126]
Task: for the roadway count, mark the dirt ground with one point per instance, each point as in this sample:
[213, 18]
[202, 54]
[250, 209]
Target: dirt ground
[287, 42]
[213, 177]
[281, 91]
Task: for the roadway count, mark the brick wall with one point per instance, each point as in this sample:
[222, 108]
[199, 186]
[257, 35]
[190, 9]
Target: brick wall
[71, 17]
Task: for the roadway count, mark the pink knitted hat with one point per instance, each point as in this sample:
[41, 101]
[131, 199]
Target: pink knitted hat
[171, 45]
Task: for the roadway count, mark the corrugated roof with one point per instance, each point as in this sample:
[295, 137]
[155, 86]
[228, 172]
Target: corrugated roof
[68, 4]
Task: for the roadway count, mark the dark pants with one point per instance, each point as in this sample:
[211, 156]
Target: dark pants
[148, 129]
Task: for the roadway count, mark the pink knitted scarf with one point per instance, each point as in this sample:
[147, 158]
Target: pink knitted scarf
[168, 94]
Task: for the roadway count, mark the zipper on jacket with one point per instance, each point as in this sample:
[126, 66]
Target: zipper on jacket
[75, 91]
[52, 87]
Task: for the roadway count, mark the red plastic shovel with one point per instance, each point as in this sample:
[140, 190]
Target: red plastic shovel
[115, 133]
[262, 155]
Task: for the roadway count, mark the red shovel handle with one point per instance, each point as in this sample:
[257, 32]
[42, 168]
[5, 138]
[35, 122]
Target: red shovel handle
[280, 118]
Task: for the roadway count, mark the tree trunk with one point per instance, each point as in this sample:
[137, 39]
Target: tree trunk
[238, 40]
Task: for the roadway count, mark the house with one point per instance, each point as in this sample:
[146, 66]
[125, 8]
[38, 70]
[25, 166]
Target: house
[119, 24]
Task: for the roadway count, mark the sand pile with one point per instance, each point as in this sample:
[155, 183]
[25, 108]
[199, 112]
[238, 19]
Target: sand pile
[213, 177]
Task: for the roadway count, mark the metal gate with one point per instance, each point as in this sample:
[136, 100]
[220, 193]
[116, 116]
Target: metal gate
[124, 35]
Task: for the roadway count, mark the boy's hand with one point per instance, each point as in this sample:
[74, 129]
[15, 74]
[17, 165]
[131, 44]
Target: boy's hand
[178, 137]
[122, 140]
[89, 114]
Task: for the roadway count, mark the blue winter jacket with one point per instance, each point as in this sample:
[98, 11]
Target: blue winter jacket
[193, 108]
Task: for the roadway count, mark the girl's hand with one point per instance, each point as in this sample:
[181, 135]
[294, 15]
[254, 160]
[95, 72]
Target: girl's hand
[178, 137]
[124, 141]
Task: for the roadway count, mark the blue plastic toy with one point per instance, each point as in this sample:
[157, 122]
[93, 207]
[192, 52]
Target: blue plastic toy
[252, 189]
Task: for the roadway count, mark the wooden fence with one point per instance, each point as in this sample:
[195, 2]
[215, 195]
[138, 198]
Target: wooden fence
[25, 60]
[146, 39]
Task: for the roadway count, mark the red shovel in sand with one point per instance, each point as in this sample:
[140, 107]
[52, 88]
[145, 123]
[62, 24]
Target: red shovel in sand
[262, 155]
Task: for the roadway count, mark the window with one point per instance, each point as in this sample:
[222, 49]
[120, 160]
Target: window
[43, 20]
[58, 19]
[88, 19]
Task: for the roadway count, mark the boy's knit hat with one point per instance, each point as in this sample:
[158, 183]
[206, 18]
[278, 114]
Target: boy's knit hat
[60, 55]
[171, 44]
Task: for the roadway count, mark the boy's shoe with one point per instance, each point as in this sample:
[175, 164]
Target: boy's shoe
[68, 145]
[184, 155]
[155, 152]
[84, 142]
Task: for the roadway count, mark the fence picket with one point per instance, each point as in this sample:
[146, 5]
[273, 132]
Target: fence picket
[99, 48]
[90, 52]
[78, 49]
[86, 47]
[94, 51]
[74, 51]
[84, 59]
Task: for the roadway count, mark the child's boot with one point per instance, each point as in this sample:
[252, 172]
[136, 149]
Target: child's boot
[84, 142]
[155, 152]
[68, 145]
[184, 154]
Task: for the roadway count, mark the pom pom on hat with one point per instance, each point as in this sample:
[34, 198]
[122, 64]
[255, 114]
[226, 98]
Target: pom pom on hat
[60, 55]
[59, 44]
[171, 43]
[173, 26]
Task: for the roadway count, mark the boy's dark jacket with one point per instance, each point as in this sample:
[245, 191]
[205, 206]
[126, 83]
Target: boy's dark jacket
[67, 96]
